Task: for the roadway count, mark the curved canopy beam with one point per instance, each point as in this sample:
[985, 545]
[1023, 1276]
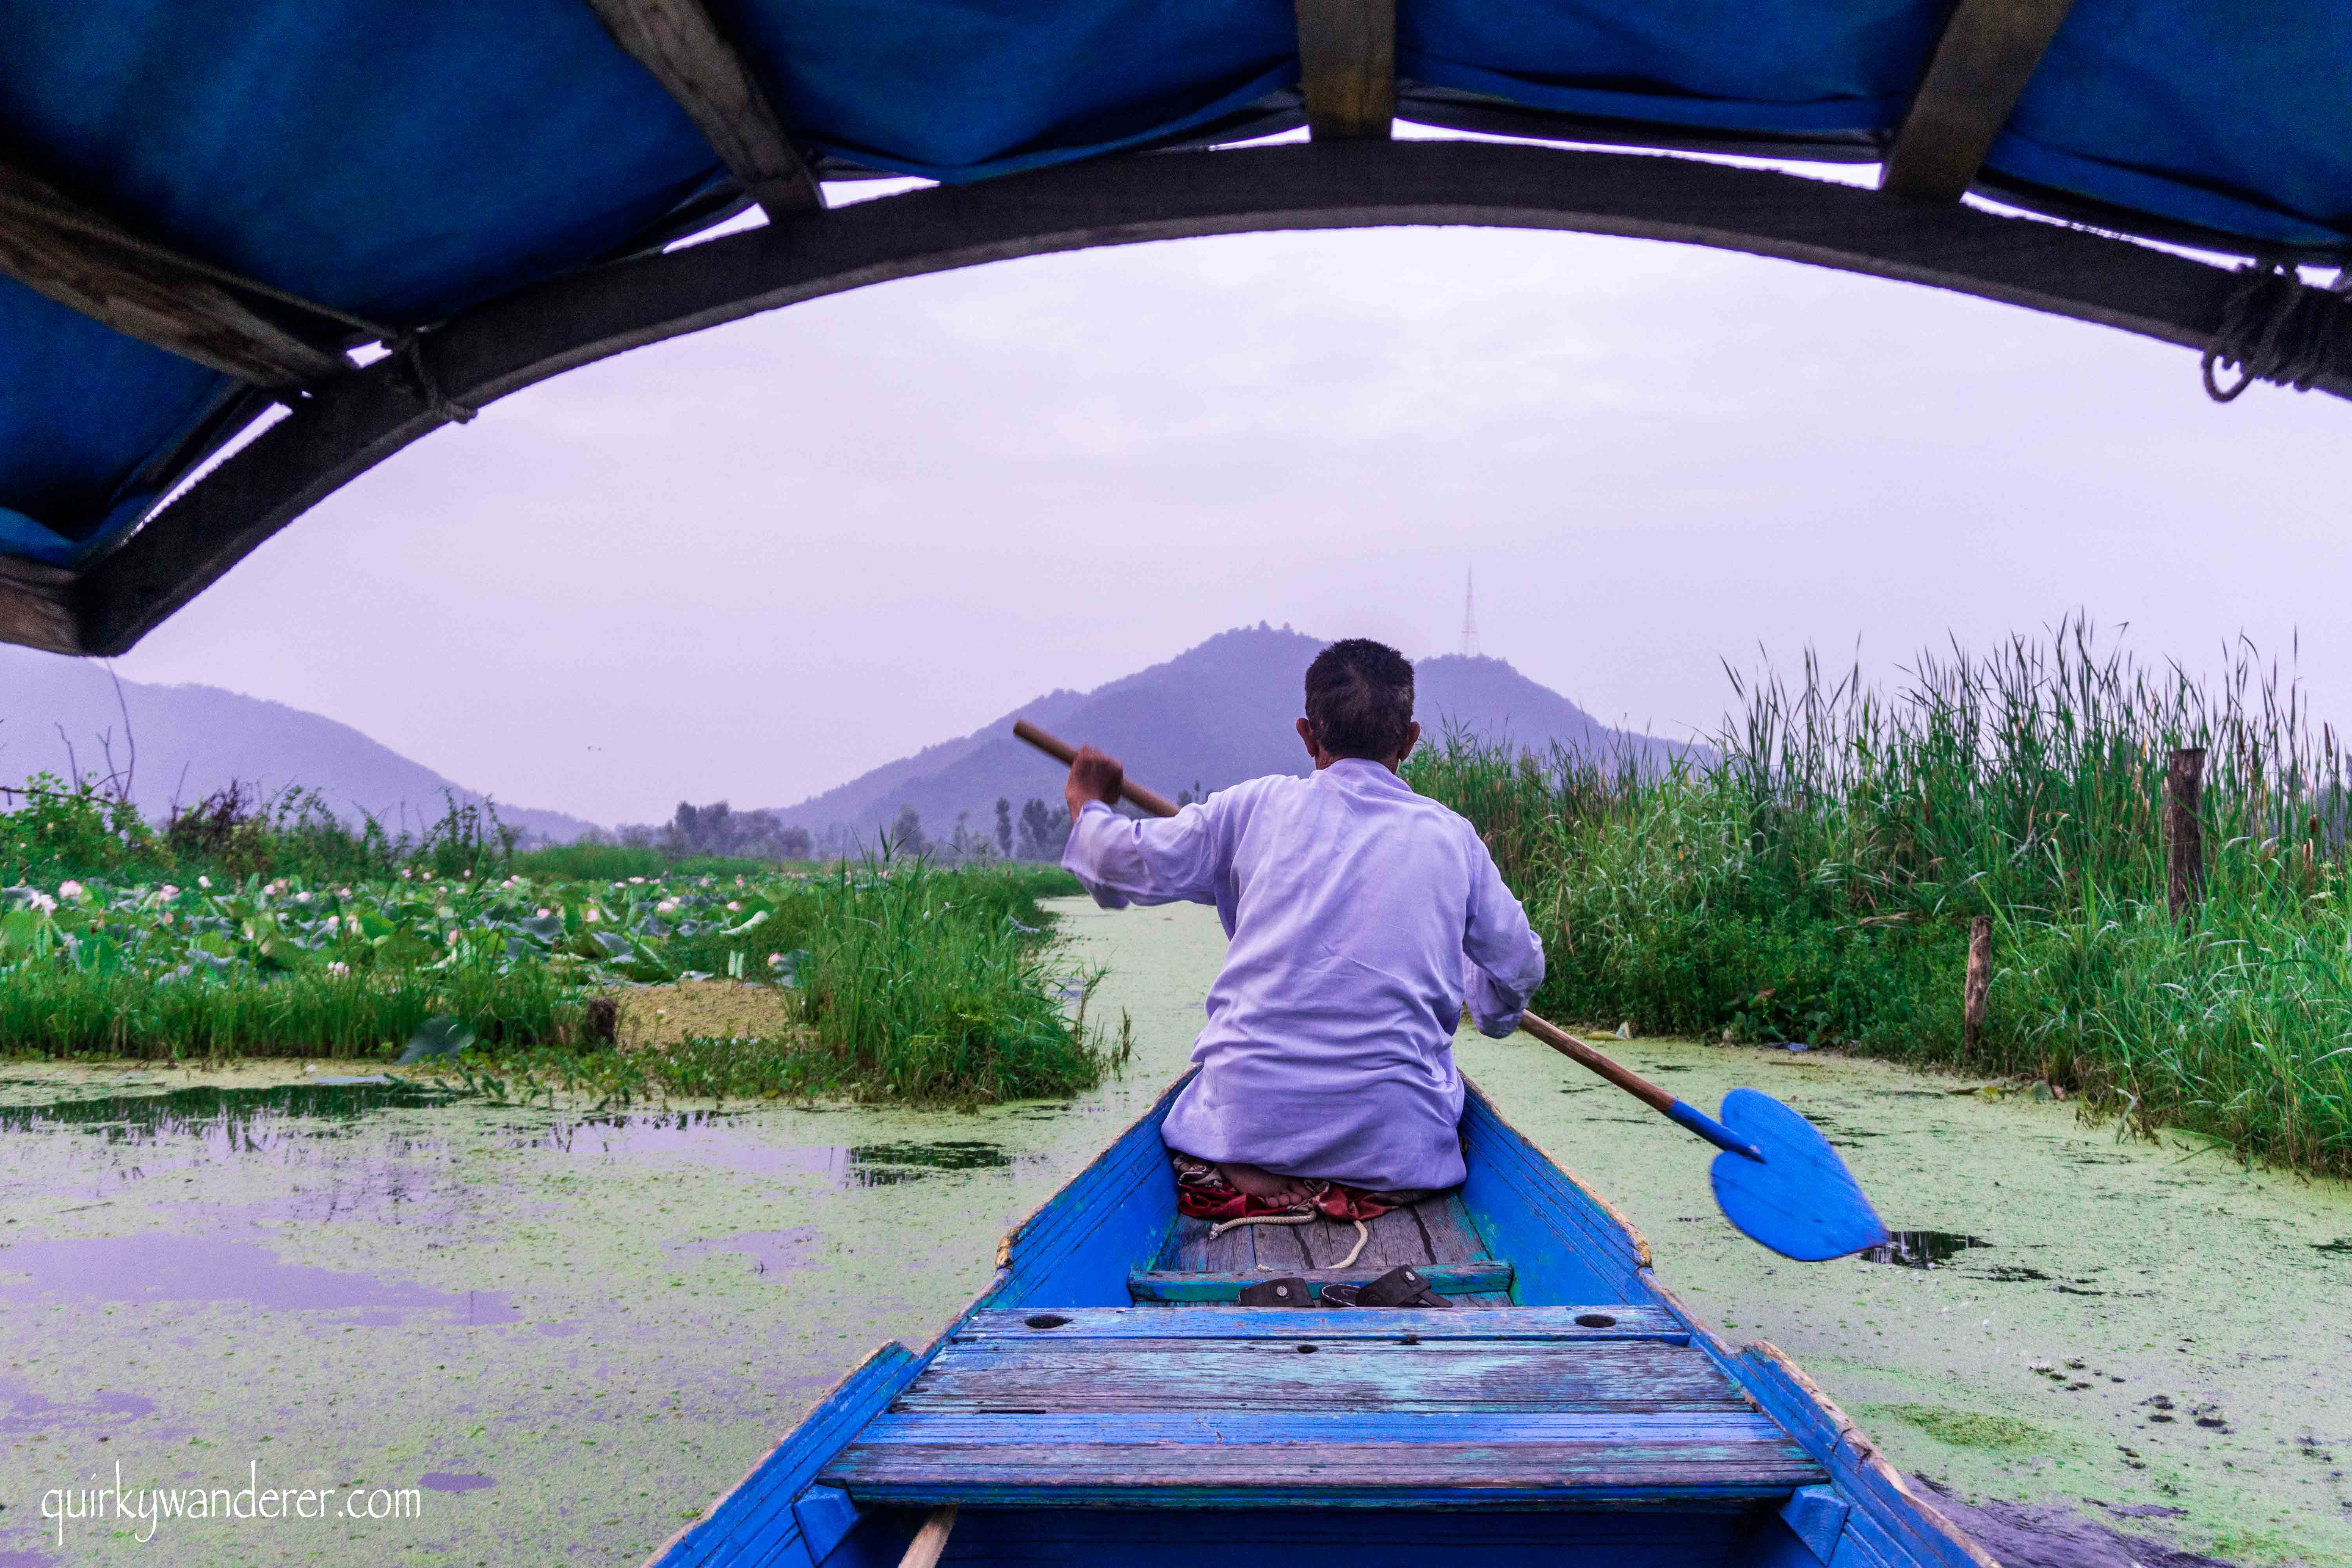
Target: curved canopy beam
[351, 424]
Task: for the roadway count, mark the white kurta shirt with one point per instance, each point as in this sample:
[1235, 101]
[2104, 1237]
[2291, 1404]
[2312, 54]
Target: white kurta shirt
[1361, 917]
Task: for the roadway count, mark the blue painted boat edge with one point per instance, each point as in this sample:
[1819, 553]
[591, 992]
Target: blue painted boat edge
[1885, 1505]
[756, 1512]
[1078, 1248]
[1034, 1255]
[1887, 1517]
[1516, 1189]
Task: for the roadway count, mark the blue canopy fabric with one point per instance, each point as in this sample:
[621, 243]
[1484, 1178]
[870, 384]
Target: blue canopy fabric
[1771, 65]
[406, 159]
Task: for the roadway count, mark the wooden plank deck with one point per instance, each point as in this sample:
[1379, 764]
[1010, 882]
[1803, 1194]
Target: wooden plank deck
[1485, 1278]
[1259, 1459]
[1614, 1321]
[1152, 1375]
[1226, 1406]
[1221, 1407]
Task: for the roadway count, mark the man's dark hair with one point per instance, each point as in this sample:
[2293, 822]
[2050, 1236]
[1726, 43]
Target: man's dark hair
[1359, 699]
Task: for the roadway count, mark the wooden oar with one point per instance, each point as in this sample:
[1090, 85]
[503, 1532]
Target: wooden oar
[923, 1552]
[1778, 1181]
[1061, 752]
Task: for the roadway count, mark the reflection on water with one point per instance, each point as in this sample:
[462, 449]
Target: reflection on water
[770, 1251]
[1921, 1248]
[887, 1164]
[238, 1116]
[22, 1410]
[289, 1123]
[161, 1267]
[390, 1154]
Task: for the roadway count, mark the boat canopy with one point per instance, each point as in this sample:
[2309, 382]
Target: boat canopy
[354, 221]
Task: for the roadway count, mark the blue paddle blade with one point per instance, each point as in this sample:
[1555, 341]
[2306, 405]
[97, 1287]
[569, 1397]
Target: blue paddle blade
[1801, 1201]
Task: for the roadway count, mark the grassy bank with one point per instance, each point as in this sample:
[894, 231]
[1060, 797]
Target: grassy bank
[1813, 879]
[906, 981]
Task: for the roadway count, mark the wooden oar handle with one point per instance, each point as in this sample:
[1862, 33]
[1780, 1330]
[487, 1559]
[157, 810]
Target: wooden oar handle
[931, 1540]
[1577, 1051]
[1680, 1111]
[1061, 752]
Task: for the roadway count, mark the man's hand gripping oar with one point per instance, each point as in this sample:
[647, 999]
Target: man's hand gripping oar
[1778, 1181]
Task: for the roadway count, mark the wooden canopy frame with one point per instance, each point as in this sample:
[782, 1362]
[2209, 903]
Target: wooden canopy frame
[347, 424]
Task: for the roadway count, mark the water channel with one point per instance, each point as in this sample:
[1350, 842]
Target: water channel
[567, 1332]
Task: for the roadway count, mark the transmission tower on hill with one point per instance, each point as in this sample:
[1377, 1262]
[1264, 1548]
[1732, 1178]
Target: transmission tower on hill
[1469, 616]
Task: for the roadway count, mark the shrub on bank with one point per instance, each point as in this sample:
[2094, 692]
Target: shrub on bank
[908, 979]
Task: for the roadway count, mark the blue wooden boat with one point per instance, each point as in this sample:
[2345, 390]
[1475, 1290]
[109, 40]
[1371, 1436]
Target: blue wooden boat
[1107, 1400]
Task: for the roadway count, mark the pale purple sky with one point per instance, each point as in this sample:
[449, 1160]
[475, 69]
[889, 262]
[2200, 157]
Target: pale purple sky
[753, 563]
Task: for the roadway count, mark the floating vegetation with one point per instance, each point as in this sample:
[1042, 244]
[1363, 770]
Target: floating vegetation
[905, 980]
[1970, 1428]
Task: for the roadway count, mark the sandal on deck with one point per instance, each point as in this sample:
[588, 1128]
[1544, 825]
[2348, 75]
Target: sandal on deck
[1402, 1286]
[1287, 1291]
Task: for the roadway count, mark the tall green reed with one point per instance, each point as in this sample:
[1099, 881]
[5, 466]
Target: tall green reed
[931, 984]
[911, 982]
[64, 1012]
[1811, 874]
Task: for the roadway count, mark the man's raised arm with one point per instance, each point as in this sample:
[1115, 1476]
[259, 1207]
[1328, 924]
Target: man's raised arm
[1124, 859]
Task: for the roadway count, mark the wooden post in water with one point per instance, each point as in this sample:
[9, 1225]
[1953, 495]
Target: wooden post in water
[1979, 981]
[2184, 788]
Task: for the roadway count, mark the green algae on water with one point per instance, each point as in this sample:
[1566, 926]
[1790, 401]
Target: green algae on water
[1966, 1428]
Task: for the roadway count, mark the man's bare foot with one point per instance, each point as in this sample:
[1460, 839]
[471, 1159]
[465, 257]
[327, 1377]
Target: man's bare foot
[1264, 1184]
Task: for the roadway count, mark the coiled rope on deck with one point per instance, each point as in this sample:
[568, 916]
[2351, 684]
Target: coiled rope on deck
[1363, 1234]
[2278, 329]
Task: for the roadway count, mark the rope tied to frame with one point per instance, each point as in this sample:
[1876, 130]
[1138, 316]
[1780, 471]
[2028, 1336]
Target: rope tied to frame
[416, 375]
[2276, 328]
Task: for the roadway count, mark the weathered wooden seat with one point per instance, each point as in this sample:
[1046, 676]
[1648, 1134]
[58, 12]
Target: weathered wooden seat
[1230, 1407]
[1434, 1235]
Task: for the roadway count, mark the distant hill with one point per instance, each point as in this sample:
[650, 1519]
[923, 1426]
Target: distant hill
[1213, 716]
[193, 740]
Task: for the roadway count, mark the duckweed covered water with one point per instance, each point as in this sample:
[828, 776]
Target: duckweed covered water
[568, 1332]
[2064, 1317]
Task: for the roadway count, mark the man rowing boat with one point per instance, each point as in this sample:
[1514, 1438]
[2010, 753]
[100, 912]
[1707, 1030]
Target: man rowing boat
[1361, 917]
